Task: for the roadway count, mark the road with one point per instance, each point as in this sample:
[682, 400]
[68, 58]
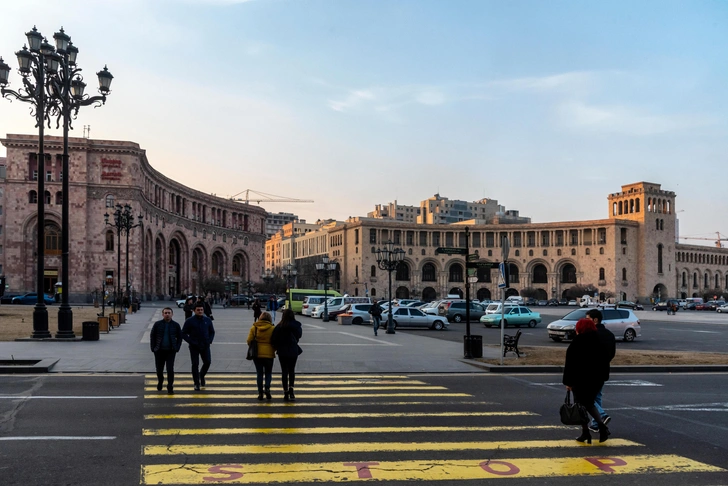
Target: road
[685, 331]
[401, 429]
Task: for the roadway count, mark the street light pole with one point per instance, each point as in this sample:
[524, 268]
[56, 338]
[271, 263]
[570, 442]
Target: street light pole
[290, 272]
[324, 268]
[388, 258]
[123, 220]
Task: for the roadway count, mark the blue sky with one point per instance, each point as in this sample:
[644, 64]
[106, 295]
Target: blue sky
[545, 106]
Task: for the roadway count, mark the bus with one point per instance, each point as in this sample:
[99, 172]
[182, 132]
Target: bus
[297, 295]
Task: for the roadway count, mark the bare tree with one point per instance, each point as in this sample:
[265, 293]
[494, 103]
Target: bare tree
[580, 290]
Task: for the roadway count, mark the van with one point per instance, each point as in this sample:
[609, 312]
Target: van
[309, 302]
[336, 303]
[298, 296]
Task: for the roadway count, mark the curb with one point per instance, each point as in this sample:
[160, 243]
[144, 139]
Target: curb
[27, 365]
[614, 369]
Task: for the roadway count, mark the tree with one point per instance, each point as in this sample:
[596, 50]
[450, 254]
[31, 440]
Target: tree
[710, 294]
[212, 285]
[578, 291]
[529, 292]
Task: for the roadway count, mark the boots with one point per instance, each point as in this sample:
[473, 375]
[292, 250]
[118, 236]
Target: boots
[291, 396]
[603, 433]
[286, 397]
[267, 393]
[585, 436]
[260, 394]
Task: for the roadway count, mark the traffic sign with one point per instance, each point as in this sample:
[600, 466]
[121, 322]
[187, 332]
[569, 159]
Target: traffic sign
[449, 250]
[472, 279]
[473, 257]
[478, 264]
[502, 283]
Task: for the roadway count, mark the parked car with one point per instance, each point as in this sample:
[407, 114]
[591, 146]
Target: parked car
[495, 307]
[572, 302]
[665, 305]
[626, 304]
[455, 311]
[415, 303]
[8, 298]
[722, 309]
[515, 316]
[240, 300]
[553, 302]
[359, 313]
[622, 322]
[410, 317]
[404, 302]
[564, 302]
[309, 302]
[31, 298]
[543, 303]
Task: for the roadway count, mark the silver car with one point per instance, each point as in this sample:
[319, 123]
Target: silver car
[359, 313]
[410, 317]
[623, 323]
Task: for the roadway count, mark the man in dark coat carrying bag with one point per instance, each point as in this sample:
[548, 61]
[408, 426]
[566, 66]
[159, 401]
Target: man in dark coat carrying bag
[165, 340]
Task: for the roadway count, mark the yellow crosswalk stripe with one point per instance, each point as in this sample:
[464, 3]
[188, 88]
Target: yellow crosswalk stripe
[191, 449]
[331, 415]
[419, 470]
[347, 430]
[317, 396]
[317, 388]
[299, 381]
[322, 404]
[302, 377]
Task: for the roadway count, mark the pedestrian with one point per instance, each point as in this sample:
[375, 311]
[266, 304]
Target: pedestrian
[584, 374]
[206, 306]
[261, 331]
[256, 310]
[376, 313]
[273, 306]
[609, 347]
[199, 334]
[189, 307]
[285, 339]
[165, 341]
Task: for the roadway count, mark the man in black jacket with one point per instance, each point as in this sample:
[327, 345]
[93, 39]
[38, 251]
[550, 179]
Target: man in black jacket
[610, 349]
[376, 313]
[165, 340]
[199, 333]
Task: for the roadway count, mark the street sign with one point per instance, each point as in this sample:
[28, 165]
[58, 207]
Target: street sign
[502, 275]
[473, 257]
[478, 264]
[448, 250]
[473, 279]
[472, 271]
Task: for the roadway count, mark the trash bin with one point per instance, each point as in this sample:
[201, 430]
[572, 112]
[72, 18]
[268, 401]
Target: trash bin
[122, 317]
[475, 344]
[103, 324]
[345, 320]
[114, 319]
[90, 330]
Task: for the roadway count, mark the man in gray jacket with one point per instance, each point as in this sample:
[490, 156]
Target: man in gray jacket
[165, 340]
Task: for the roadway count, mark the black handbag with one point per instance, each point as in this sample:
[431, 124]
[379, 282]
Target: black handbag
[253, 347]
[573, 413]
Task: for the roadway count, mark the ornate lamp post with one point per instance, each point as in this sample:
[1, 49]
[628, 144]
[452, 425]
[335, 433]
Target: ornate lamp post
[123, 221]
[128, 225]
[250, 286]
[269, 277]
[290, 272]
[33, 65]
[67, 98]
[325, 268]
[388, 258]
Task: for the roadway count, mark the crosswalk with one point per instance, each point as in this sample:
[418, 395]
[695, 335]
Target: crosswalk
[346, 428]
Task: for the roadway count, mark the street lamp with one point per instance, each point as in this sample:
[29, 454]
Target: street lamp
[67, 98]
[325, 268]
[250, 286]
[290, 272]
[123, 221]
[268, 277]
[388, 258]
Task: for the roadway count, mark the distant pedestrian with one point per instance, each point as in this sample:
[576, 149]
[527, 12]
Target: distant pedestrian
[165, 340]
[376, 313]
[285, 339]
[256, 310]
[584, 374]
[261, 331]
[206, 306]
[199, 333]
[609, 347]
[273, 306]
[189, 307]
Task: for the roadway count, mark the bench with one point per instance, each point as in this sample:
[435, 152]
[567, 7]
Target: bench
[510, 343]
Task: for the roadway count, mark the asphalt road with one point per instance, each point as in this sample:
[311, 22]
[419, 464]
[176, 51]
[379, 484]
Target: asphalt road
[685, 331]
[418, 429]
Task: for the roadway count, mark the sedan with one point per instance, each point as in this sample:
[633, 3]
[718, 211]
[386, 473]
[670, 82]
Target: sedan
[623, 323]
[722, 309]
[32, 298]
[626, 304]
[410, 317]
[516, 316]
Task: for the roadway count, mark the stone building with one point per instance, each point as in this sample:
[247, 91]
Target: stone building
[185, 235]
[632, 254]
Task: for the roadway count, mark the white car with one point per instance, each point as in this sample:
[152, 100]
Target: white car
[411, 317]
[623, 323]
[722, 309]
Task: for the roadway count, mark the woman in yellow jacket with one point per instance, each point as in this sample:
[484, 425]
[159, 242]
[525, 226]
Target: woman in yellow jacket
[261, 331]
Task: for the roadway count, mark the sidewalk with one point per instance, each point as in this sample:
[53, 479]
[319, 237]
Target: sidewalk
[327, 348]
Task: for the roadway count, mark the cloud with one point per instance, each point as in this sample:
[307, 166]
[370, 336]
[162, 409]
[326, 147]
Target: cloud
[625, 120]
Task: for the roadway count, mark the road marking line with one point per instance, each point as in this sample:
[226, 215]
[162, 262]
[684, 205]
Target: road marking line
[379, 343]
[207, 416]
[347, 430]
[692, 330]
[50, 397]
[418, 470]
[696, 407]
[317, 396]
[612, 383]
[316, 388]
[324, 404]
[191, 449]
[369, 338]
[60, 437]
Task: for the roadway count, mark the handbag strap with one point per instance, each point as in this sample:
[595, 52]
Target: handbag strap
[568, 397]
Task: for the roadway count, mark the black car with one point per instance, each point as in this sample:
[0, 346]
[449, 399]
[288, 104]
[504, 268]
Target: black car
[563, 302]
[666, 304]
[553, 302]
[240, 300]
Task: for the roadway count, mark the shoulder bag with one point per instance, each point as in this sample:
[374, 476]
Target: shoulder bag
[573, 413]
[253, 347]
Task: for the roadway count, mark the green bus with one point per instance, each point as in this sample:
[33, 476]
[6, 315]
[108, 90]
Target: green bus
[297, 296]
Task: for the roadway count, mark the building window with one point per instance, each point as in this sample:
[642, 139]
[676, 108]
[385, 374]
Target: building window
[356, 236]
[373, 271]
[659, 258]
[573, 252]
[47, 198]
[52, 240]
[601, 250]
[59, 198]
[109, 201]
[513, 273]
[32, 197]
[588, 251]
[372, 236]
[109, 240]
[518, 252]
[623, 235]
[456, 273]
[558, 252]
[624, 274]
[684, 280]
[402, 272]
[545, 253]
[428, 273]
[695, 280]
[601, 274]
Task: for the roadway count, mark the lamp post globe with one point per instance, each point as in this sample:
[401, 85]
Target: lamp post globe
[388, 258]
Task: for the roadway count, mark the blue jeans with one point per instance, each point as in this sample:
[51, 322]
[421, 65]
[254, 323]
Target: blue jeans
[263, 366]
[598, 405]
[376, 321]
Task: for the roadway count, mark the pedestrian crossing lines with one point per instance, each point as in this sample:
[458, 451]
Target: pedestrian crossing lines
[367, 428]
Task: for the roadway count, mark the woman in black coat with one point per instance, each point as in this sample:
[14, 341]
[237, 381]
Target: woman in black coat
[285, 341]
[256, 310]
[585, 371]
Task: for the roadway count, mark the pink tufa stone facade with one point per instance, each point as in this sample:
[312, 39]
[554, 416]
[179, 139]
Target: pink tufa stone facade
[185, 235]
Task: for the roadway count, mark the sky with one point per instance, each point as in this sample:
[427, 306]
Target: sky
[547, 107]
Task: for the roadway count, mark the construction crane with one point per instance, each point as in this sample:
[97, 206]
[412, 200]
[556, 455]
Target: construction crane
[263, 197]
[718, 241]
